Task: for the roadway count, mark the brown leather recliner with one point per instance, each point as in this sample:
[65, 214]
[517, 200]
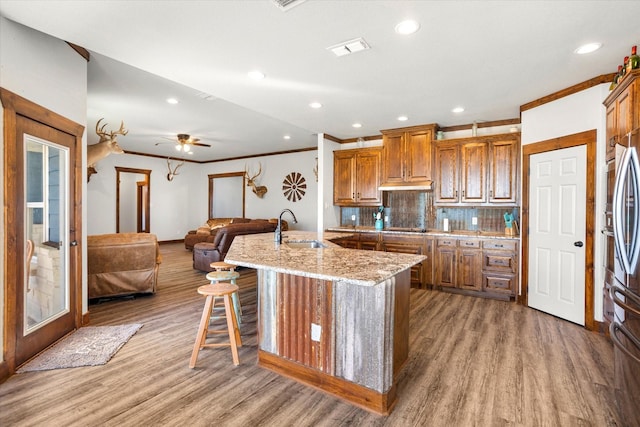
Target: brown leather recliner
[207, 232]
[205, 253]
[122, 264]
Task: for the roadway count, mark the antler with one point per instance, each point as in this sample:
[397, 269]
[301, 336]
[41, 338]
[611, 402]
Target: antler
[250, 179]
[104, 135]
[100, 130]
[122, 131]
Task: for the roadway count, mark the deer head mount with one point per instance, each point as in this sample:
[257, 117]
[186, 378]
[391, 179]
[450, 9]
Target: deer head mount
[258, 190]
[107, 144]
[173, 172]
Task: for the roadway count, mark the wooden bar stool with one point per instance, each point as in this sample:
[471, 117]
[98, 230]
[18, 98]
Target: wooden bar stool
[224, 290]
[219, 276]
[221, 266]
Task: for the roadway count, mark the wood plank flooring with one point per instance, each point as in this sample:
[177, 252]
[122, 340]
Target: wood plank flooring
[472, 362]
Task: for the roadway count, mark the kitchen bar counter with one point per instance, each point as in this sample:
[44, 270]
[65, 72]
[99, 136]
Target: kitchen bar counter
[364, 268]
[333, 318]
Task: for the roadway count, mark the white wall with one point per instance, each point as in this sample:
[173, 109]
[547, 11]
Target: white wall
[274, 170]
[181, 205]
[170, 201]
[48, 72]
[576, 113]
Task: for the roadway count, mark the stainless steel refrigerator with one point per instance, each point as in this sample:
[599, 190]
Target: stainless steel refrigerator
[625, 292]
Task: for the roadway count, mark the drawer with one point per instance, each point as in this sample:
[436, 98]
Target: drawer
[501, 284]
[499, 261]
[500, 244]
[469, 243]
[447, 242]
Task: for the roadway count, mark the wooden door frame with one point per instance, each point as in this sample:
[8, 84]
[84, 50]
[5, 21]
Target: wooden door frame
[147, 212]
[588, 138]
[212, 177]
[14, 106]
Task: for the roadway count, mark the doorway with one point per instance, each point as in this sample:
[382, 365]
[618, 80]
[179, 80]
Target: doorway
[558, 223]
[133, 200]
[43, 225]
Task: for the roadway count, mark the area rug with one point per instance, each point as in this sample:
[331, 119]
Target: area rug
[88, 346]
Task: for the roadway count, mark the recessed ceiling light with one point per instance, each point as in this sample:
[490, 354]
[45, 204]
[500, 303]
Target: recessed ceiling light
[407, 27]
[315, 105]
[588, 48]
[357, 125]
[403, 118]
[256, 75]
[172, 100]
[458, 110]
[287, 137]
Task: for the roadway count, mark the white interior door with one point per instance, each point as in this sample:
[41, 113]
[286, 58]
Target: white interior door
[557, 233]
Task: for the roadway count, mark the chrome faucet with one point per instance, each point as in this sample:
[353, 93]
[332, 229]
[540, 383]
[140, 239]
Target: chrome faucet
[278, 234]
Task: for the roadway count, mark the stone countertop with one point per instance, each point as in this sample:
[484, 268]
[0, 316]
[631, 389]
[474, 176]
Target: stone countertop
[366, 268]
[419, 232]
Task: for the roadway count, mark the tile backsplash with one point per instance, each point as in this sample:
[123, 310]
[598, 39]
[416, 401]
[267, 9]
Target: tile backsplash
[415, 209]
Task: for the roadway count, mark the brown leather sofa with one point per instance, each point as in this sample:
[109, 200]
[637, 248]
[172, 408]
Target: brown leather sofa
[122, 264]
[205, 253]
[207, 232]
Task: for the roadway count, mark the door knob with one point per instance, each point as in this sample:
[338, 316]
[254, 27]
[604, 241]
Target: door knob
[578, 244]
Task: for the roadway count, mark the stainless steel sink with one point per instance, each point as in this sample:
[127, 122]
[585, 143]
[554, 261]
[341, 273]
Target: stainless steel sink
[305, 244]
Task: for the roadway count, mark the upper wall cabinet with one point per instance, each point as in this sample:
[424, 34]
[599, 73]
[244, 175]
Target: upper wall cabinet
[356, 177]
[623, 115]
[406, 157]
[478, 171]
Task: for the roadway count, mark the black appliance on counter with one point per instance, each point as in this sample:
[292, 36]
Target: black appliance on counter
[625, 292]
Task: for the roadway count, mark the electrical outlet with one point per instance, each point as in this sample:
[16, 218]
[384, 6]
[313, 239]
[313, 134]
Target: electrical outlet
[474, 220]
[316, 331]
[386, 218]
[353, 217]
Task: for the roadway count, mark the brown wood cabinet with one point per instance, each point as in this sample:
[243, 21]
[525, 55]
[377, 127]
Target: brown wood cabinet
[475, 266]
[407, 155]
[408, 245]
[356, 177]
[478, 171]
[458, 263]
[623, 115]
[500, 266]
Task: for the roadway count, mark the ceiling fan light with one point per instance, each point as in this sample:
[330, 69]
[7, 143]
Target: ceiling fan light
[178, 147]
[186, 148]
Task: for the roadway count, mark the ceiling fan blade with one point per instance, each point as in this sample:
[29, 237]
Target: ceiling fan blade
[200, 144]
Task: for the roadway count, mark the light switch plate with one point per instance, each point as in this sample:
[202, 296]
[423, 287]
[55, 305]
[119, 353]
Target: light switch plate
[316, 331]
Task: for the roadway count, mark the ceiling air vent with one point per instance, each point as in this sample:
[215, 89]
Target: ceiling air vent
[285, 5]
[352, 46]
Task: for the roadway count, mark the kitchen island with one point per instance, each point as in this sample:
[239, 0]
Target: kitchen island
[333, 318]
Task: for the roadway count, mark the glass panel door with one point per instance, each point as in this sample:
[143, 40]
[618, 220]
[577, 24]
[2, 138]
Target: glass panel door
[46, 228]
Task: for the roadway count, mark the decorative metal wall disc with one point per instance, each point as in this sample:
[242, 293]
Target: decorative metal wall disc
[294, 186]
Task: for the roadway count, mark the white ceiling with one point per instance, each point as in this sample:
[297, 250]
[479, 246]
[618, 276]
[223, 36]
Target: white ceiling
[488, 56]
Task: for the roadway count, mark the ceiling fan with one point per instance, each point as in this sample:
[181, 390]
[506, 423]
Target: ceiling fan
[184, 142]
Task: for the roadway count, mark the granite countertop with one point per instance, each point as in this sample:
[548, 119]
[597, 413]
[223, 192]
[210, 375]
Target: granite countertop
[423, 232]
[366, 268]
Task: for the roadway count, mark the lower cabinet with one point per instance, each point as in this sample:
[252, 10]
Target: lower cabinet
[458, 263]
[485, 266]
[476, 266]
[409, 245]
[500, 267]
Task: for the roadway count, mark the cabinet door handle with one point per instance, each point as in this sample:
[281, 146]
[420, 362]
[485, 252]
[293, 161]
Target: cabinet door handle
[456, 194]
[463, 194]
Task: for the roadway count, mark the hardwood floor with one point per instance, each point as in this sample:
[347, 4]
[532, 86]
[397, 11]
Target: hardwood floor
[468, 366]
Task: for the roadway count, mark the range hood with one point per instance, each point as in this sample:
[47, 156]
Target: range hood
[407, 186]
